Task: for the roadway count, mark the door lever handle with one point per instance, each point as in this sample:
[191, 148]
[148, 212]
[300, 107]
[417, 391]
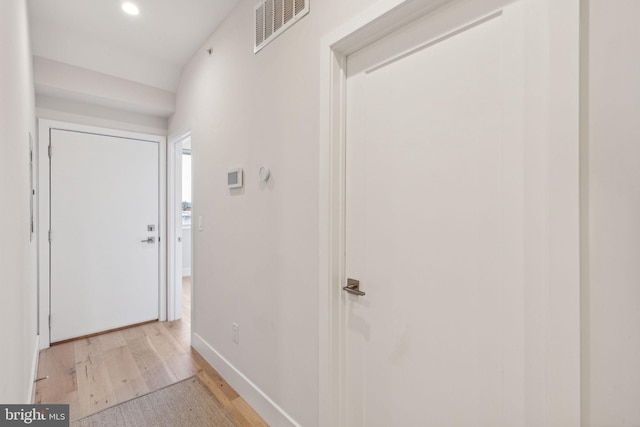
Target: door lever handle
[149, 240]
[353, 287]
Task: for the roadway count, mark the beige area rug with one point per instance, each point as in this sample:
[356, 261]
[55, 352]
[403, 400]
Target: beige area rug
[185, 404]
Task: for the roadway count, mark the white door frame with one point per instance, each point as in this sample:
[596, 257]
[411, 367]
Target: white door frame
[174, 287]
[552, 219]
[44, 133]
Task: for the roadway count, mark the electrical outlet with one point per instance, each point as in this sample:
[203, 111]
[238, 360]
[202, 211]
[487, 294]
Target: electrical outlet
[236, 333]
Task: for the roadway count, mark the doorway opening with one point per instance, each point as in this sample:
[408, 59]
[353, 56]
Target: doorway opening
[179, 218]
[129, 261]
[186, 219]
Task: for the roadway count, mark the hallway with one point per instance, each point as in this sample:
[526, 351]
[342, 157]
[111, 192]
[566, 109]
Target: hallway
[95, 373]
[369, 249]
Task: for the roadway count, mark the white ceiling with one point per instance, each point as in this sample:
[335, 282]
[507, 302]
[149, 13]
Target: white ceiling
[150, 48]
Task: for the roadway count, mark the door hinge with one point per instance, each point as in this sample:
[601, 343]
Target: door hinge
[50, 151]
[49, 236]
[49, 321]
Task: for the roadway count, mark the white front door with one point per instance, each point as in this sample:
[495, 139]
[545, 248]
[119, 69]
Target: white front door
[104, 223]
[434, 175]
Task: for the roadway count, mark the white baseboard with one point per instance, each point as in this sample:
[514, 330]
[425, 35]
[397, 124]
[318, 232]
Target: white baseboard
[256, 398]
[31, 390]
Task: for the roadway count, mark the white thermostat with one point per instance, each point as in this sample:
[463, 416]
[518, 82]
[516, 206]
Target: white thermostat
[234, 178]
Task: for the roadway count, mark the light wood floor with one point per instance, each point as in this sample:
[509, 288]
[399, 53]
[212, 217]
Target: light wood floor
[95, 373]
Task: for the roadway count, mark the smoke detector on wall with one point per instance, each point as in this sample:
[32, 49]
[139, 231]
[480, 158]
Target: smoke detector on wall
[273, 17]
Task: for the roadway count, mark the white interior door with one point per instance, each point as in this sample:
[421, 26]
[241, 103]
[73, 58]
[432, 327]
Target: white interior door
[434, 175]
[104, 258]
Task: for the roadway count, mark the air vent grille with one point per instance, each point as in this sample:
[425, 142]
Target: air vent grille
[260, 24]
[288, 10]
[268, 23]
[278, 16]
[273, 17]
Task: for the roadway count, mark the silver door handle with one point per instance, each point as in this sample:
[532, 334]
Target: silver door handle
[149, 240]
[353, 287]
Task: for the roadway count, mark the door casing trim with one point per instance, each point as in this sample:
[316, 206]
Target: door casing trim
[44, 283]
[552, 25]
[174, 289]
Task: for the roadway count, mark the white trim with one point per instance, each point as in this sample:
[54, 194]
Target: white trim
[585, 320]
[44, 127]
[179, 136]
[31, 390]
[171, 231]
[174, 290]
[162, 228]
[557, 109]
[256, 398]
[43, 230]
[374, 22]
[56, 124]
[564, 212]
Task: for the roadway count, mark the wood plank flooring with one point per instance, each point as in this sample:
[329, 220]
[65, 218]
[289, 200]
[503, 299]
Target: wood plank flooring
[95, 373]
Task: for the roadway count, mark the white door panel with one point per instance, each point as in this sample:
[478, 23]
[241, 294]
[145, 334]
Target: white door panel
[104, 194]
[431, 207]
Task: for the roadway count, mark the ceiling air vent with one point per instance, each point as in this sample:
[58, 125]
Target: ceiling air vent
[273, 17]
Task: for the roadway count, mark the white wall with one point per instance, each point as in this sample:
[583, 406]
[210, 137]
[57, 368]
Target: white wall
[67, 43]
[61, 80]
[90, 114]
[72, 94]
[256, 262]
[17, 255]
[611, 375]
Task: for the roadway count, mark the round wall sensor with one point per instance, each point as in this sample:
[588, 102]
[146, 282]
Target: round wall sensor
[263, 173]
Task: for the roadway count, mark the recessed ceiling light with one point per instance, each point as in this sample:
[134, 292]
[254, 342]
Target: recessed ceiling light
[130, 8]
